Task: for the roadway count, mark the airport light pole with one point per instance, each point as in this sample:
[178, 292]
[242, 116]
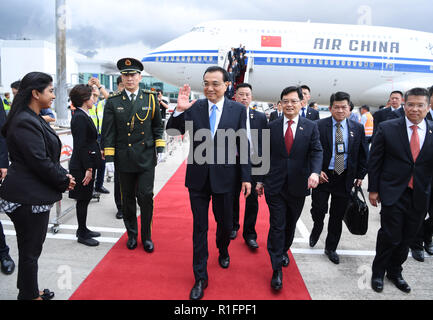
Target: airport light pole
[61, 101]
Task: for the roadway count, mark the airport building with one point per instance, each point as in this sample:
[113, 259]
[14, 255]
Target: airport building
[19, 57]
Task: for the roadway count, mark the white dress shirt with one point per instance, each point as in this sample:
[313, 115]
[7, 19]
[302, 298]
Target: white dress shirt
[129, 94]
[422, 131]
[293, 126]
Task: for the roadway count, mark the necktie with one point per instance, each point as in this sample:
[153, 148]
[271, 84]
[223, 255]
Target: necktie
[212, 119]
[288, 137]
[303, 112]
[414, 148]
[339, 157]
[132, 97]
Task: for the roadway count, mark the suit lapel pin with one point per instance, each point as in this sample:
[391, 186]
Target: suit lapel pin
[124, 98]
[429, 131]
[251, 115]
[300, 128]
[351, 134]
[141, 97]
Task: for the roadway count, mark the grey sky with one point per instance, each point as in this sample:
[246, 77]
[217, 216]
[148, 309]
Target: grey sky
[96, 26]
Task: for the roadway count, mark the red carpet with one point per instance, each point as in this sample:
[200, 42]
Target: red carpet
[167, 274]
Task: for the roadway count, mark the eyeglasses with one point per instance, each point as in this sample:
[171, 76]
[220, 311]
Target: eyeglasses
[213, 84]
[291, 102]
[415, 105]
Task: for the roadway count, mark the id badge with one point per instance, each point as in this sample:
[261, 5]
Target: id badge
[340, 147]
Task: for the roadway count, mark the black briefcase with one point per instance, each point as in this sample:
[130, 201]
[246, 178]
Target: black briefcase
[356, 215]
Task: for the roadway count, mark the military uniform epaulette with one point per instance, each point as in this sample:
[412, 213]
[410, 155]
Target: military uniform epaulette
[114, 94]
[148, 91]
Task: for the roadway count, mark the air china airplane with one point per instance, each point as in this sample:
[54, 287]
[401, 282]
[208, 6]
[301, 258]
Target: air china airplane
[366, 61]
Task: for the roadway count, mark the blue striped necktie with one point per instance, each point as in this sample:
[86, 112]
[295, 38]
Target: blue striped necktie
[212, 119]
[303, 113]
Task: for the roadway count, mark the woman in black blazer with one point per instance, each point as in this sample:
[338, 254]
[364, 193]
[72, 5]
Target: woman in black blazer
[86, 157]
[35, 179]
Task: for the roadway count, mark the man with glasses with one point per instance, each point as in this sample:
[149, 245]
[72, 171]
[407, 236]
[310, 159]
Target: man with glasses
[296, 160]
[344, 165]
[216, 176]
[400, 172]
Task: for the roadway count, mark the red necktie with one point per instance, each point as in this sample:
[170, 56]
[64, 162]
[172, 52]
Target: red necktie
[414, 148]
[288, 137]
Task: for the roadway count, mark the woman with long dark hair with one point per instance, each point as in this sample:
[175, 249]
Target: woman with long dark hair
[35, 179]
[86, 157]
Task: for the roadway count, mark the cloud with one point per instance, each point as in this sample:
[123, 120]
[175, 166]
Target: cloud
[98, 25]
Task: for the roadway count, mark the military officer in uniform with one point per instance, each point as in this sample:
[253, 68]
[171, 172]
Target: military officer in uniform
[133, 133]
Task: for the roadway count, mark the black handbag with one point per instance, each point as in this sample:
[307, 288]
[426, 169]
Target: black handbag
[356, 215]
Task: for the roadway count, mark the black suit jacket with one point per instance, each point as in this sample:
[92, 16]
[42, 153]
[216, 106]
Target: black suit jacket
[428, 116]
[305, 158]
[391, 164]
[4, 159]
[395, 114]
[357, 149]
[311, 114]
[86, 151]
[35, 176]
[222, 177]
[258, 122]
[274, 115]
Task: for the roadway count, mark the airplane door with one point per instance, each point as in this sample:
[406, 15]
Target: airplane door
[388, 67]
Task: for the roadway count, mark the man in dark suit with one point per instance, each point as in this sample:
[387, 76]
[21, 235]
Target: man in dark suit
[344, 164]
[306, 111]
[7, 264]
[296, 161]
[395, 101]
[214, 174]
[400, 175]
[256, 122]
[230, 92]
[277, 113]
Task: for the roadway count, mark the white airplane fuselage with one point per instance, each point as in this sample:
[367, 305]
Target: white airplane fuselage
[368, 62]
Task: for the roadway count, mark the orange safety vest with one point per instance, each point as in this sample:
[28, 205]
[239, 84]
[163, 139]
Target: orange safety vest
[368, 126]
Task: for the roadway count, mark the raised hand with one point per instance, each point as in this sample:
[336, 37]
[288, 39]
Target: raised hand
[183, 102]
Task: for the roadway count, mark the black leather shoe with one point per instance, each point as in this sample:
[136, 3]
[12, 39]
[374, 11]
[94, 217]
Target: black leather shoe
[400, 283]
[286, 259]
[119, 215]
[233, 234]
[251, 243]
[102, 190]
[88, 234]
[131, 244]
[333, 256]
[314, 236]
[88, 241]
[377, 284]
[224, 261]
[198, 290]
[148, 246]
[418, 255]
[47, 294]
[277, 279]
[7, 265]
[429, 248]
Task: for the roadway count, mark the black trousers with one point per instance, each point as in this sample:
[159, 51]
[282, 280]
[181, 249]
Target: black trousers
[284, 212]
[137, 187]
[251, 211]
[424, 234]
[336, 188]
[222, 207]
[81, 208]
[117, 193]
[399, 225]
[4, 249]
[31, 229]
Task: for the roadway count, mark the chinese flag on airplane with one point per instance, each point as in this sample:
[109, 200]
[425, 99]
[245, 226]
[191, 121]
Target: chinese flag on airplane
[271, 41]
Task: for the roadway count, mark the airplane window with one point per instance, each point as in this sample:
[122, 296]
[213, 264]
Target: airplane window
[157, 59]
[371, 64]
[331, 62]
[172, 58]
[193, 59]
[314, 61]
[366, 64]
[292, 60]
[303, 61]
[286, 60]
[309, 61]
[320, 61]
[177, 58]
[297, 61]
[280, 60]
[349, 63]
[343, 63]
[188, 59]
[274, 60]
[337, 62]
[199, 58]
[326, 62]
[431, 68]
[183, 58]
